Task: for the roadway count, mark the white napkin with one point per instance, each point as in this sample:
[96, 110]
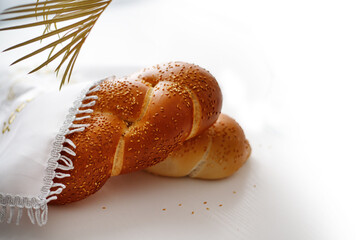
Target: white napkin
[34, 123]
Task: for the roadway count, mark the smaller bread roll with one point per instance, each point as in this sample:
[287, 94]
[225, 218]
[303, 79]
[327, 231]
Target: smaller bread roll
[217, 153]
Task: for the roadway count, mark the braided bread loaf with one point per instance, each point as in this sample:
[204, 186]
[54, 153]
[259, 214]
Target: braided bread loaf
[137, 121]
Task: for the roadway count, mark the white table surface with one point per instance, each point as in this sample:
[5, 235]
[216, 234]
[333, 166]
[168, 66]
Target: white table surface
[289, 72]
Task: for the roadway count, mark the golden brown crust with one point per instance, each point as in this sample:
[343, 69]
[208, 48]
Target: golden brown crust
[122, 98]
[184, 158]
[202, 86]
[166, 123]
[95, 150]
[217, 153]
[229, 150]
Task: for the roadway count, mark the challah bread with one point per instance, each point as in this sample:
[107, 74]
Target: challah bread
[216, 153]
[136, 122]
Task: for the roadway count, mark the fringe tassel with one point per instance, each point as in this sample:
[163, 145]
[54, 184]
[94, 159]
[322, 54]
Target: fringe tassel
[97, 88]
[59, 189]
[49, 199]
[75, 130]
[82, 118]
[11, 213]
[19, 215]
[65, 163]
[85, 111]
[30, 212]
[3, 213]
[79, 125]
[37, 217]
[91, 97]
[44, 214]
[90, 104]
[61, 175]
[69, 151]
[71, 143]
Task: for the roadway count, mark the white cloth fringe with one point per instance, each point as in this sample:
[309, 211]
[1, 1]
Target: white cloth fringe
[12, 207]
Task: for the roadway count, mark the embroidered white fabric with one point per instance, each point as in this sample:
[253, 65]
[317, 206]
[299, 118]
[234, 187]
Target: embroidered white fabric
[34, 124]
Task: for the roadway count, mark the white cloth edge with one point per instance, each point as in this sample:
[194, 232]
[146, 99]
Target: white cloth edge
[37, 206]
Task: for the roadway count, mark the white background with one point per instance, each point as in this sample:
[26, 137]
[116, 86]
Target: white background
[289, 72]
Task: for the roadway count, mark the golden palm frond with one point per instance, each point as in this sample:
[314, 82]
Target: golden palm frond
[72, 21]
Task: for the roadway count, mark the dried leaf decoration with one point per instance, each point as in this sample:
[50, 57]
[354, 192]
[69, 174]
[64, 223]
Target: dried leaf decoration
[76, 17]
